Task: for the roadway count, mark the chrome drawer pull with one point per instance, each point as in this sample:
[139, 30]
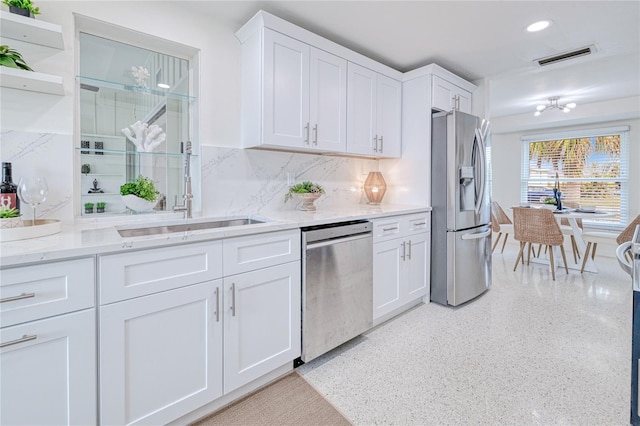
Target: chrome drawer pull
[409, 253]
[23, 339]
[217, 304]
[390, 229]
[22, 296]
[315, 134]
[375, 148]
[381, 143]
[233, 299]
[420, 224]
[404, 250]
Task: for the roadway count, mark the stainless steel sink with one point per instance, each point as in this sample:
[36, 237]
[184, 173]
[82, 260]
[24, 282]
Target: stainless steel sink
[183, 227]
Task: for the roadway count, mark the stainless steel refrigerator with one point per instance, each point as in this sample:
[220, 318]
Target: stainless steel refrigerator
[461, 216]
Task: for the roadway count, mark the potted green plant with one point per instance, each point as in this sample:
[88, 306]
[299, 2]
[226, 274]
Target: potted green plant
[100, 207]
[12, 58]
[22, 7]
[140, 195]
[308, 192]
[88, 208]
[10, 218]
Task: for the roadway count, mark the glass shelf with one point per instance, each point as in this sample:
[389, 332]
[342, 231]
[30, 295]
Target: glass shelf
[94, 83]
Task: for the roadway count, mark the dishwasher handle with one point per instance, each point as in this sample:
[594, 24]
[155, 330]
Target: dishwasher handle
[311, 246]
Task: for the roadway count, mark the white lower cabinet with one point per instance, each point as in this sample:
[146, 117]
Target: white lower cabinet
[48, 371]
[261, 322]
[167, 353]
[160, 355]
[401, 263]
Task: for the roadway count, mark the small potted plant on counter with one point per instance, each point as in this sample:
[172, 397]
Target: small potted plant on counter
[140, 195]
[10, 218]
[308, 192]
[88, 208]
[22, 7]
[100, 207]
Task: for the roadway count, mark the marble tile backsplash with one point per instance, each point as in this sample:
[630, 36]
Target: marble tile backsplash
[240, 181]
[234, 181]
[44, 154]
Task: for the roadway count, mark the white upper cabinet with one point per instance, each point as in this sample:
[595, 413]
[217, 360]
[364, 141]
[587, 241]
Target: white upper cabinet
[328, 101]
[297, 93]
[301, 97]
[448, 96]
[285, 107]
[373, 113]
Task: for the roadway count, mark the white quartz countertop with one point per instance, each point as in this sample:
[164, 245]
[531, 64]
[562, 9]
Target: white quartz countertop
[100, 238]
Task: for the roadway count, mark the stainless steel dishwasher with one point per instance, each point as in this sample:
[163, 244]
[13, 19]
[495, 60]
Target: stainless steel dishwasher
[337, 285]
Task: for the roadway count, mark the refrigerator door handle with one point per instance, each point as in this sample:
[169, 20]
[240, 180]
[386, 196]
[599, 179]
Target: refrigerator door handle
[476, 235]
[482, 162]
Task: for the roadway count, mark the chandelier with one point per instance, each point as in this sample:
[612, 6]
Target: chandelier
[553, 103]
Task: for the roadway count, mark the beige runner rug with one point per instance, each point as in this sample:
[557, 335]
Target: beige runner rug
[289, 401]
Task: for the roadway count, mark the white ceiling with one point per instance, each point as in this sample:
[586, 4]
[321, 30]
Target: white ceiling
[479, 39]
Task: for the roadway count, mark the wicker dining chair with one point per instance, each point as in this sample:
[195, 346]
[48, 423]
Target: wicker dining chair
[538, 226]
[592, 238]
[501, 224]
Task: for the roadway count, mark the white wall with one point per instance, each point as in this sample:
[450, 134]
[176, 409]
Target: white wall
[233, 180]
[219, 101]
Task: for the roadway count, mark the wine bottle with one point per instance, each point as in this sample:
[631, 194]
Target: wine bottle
[8, 190]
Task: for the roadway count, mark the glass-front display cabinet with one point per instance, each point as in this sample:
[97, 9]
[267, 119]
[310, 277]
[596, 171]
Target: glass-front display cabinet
[134, 115]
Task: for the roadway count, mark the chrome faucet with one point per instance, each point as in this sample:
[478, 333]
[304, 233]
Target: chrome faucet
[187, 204]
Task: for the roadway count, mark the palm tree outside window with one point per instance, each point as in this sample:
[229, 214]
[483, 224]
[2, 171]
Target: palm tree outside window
[589, 166]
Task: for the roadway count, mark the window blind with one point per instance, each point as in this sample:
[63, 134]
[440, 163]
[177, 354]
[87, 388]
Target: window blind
[590, 167]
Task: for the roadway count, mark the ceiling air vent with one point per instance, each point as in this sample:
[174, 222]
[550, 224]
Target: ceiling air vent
[566, 56]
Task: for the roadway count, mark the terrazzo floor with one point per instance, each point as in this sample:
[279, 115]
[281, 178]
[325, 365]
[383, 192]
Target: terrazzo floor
[529, 351]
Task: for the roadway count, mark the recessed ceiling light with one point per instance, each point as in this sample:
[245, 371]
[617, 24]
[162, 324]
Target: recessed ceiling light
[538, 26]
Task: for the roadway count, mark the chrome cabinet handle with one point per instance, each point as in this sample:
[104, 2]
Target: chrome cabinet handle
[404, 251]
[315, 134]
[23, 339]
[306, 132]
[420, 224]
[217, 304]
[381, 143]
[395, 228]
[233, 299]
[20, 297]
[409, 253]
[375, 141]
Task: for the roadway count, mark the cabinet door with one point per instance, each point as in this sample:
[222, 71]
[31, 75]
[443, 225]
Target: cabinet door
[328, 101]
[464, 101]
[361, 109]
[286, 91]
[389, 117]
[387, 277]
[261, 322]
[418, 264]
[50, 379]
[160, 355]
[447, 96]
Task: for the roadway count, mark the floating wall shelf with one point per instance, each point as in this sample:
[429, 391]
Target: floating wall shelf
[31, 30]
[32, 81]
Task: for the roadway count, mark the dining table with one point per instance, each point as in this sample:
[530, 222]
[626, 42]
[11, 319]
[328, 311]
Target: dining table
[572, 216]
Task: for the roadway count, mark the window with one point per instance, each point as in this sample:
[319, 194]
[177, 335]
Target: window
[590, 167]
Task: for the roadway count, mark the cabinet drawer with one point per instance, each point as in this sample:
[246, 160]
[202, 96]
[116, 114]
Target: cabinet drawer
[252, 252]
[418, 223]
[133, 274]
[387, 228]
[39, 291]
